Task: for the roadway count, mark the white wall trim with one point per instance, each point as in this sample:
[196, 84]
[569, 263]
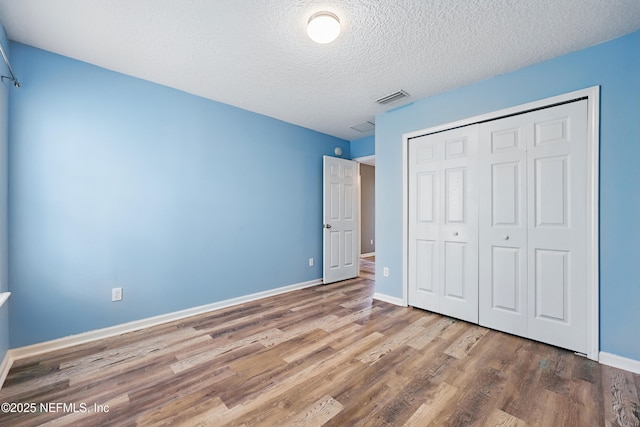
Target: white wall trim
[389, 299]
[593, 222]
[620, 362]
[405, 219]
[4, 296]
[593, 137]
[5, 366]
[60, 343]
[367, 160]
[367, 255]
[7, 361]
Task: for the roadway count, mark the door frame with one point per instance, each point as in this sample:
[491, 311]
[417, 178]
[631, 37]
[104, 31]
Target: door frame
[592, 95]
[370, 161]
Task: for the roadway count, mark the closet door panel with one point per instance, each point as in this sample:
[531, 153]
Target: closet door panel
[503, 225]
[425, 155]
[426, 262]
[459, 229]
[557, 197]
[506, 269]
[443, 203]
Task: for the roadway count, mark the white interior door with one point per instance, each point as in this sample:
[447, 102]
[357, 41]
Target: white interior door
[341, 219]
[557, 217]
[503, 223]
[443, 223]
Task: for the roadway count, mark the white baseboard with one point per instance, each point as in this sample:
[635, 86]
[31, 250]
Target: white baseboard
[60, 343]
[367, 255]
[620, 362]
[389, 299]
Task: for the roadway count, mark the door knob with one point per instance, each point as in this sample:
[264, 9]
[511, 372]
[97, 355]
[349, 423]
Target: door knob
[455, 233]
[327, 225]
[506, 237]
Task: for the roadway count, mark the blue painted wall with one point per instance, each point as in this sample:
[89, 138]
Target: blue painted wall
[4, 126]
[615, 66]
[363, 147]
[182, 201]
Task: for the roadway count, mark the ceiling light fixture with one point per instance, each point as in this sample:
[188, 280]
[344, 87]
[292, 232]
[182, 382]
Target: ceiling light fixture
[323, 27]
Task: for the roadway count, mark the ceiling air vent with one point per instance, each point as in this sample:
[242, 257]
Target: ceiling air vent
[364, 127]
[396, 96]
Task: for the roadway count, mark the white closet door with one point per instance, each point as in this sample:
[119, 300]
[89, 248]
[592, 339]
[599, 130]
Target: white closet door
[443, 223]
[503, 224]
[424, 222]
[533, 226]
[557, 217]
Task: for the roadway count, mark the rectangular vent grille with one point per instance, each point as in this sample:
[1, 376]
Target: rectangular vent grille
[364, 127]
[396, 96]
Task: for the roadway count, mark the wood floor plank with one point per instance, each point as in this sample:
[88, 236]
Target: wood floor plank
[499, 418]
[589, 403]
[255, 398]
[318, 414]
[463, 345]
[421, 340]
[621, 399]
[353, 317]
[522, 368]
[318, 341]
[297, 400]
[93, 415]
[473, 404]
[188, 416]
[104, 363]
[326, 355]
[300, 328]
[205, 357]
[438, 403]
[393, 341]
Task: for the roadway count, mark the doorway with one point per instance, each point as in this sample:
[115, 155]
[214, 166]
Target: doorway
[367, 205]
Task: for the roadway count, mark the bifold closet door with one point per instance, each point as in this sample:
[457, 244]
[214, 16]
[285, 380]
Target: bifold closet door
[557, 215]
[443, 223]
[533, 228]
[503, 224]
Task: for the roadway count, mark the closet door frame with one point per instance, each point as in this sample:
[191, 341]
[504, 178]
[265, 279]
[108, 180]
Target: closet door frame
[592, 95]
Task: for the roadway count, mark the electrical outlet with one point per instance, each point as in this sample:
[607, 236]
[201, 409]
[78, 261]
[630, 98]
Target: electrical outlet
[385, 271]
[311, 262]
[116, 294]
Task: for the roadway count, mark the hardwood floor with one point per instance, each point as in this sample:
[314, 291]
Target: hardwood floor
[327, 355]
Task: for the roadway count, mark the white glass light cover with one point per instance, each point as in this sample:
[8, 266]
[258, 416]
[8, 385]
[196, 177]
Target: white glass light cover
[323, 27]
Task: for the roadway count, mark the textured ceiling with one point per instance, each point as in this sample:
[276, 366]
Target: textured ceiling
[255, 54]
